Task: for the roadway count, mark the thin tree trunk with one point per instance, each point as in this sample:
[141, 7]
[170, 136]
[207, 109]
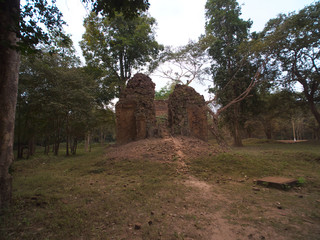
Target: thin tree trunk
[86, 145]
[74, 147]
[293, 130]
[32, 145]
[314, 109]
[267, 127]
[56, 146]
[9, 74]
[57, 138]
[237, 141]
[67, 136]
[217, 134]
[310, 96]
[214, 129]
[101, 136]
[67, 146]
[87, 142]
[47, 146]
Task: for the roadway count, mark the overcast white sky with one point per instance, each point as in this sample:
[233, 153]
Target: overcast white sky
[182, 20]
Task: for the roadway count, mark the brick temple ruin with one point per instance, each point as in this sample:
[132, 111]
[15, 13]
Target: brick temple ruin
[135, 113]
[184, 113]
[187, 113]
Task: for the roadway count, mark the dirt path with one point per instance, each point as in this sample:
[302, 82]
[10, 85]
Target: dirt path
[219, 228]
[214, 208]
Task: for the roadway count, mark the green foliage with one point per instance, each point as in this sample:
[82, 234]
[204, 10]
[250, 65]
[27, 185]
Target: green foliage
[57, 102]
[224, 23]
[164, 92]
[231, 70]
[301, 181]
[276, 119]
[128, 8]
[292, 43]
[31, 33]
[118, 46]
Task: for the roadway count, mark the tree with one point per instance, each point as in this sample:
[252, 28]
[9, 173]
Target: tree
[18, 32]
[164, 92]
[185, 64]
[191, 63]
[118, 46]
[55, 100]
[129, 9]
[292, 42]
[231, 70]
[271, 112]
[9, 64]
[13, 25]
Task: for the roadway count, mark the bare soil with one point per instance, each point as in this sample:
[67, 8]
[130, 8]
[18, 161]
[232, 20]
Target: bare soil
[227, 209]
[291, 141]
[163, 149]
[174, 188]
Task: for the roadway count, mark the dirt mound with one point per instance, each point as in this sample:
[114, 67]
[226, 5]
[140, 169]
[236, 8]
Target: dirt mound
[162, 149]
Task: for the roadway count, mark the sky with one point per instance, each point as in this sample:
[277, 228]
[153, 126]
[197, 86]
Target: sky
[182, 20]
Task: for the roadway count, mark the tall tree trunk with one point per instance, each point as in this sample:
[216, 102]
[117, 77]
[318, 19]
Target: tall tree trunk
[101, 136]
[314, 109]
[56, 147]
[67, 145]
[74, 146]
[46, 145]
[57, 136]
[237, 140]
[309, 92]
[9, 73]
[32, 145]
[293, 130]
[214, 129]
[267, 127]
[67, 136]
[87, 143]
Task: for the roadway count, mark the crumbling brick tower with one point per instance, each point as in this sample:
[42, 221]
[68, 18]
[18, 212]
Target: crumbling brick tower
[135, 111]
[187, 113]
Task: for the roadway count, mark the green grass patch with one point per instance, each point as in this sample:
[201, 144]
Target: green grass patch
[85, 196]
[261, 158]
[88, 196]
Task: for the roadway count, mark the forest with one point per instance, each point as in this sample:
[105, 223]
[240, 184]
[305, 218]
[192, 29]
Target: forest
[62, 100]
[265, 84]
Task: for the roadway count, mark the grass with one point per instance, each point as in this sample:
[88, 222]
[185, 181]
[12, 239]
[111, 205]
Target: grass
[261, 158]
[235, 172]
[84, 196]
[89, 196]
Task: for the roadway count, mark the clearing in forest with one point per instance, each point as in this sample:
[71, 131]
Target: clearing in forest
[140, 194]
